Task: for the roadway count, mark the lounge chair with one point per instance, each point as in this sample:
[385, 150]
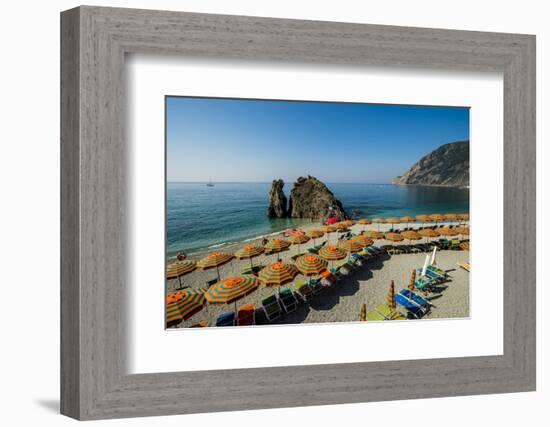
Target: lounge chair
[246, 315]
[437, 270]
[288, 300]
[424, 283]
[464, 265]
[304, 291]
[455, 245]
[415, 305]
[210, 283]
[226, 319]
[271, 308]
[252, 270]
[384, 312]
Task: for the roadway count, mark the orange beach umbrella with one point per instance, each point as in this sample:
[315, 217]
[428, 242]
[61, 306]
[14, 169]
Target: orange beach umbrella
[393, 237]
[181, 305]
[277, 274]
[410, 235]
[412, 280]
[177, 269]
[249, 251]
[363, 313]
[298, 240]
[277, 245]
[391, 297]
[372, 234]
[362, 240]
[446, 231]
[331, 253]
[310, 265]
[231, 289]
[214, 260]
[314, 234]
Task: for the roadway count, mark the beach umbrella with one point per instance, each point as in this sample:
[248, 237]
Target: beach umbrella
[298, 240]
[391, 297]
[340, 226]
[249, 251]
[463, 231]
[362, 240]
[393, 237]
[295, 232]
[437, 218]
[364, 222]
[277, 245]
[311, 265]
[214, 260]
[181, 305]
[423, 219]
[412, 280]
[348, 222]
[451, 217]
[379, 221]
[314, 234]
[177, 269]
[231, 289]
[407, 219]
[463, 217]
[328, 229]
[428, 232]
[432, 261]
[363, 313]
[277, 274]
[331, 220]
[446, 231]
[410, 235]
[372, 234]
[331, 253]
[350, 246]
[425, 266]
[393, 221]
[465, 246]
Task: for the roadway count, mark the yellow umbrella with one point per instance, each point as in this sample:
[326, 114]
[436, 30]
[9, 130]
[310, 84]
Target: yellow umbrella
[463, 231]
[393, 237]
[379, 221]
[314, 234]
[298, 240]
[215, 259]
[410, 235]
[437, 218]
[393, 221]
[446, 231]
[348, 222]
[340, 225]
[310, 265]
[181, 305]
[277, 274]
[277, 245]
[231, 290]
[371, 234]
[423, 219]
[463, 217]
[428, 232]
[328, 229]
[408, 219]
[350, 246]
[331, 253]
[249, 251]
[177, 269]
[363, 313]
[451, 217]
[362, 240]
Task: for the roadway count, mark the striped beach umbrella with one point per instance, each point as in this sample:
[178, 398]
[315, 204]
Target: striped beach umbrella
[393, 221]
[423, 219]
[362, 240]
[340, 225]
[363, 313]
[348, 222]
[331, 253]
[249, 251]
[351, 246]
[314, 234]
[277, 245]
[214, 260]
[231, 289]
[463, 231]
[450, 217]
[372, 234]
[393, 237]
[327, 229]
[446, 231]
[181, 305]
[390, 301]
[177, 269]
[465, 246]
[428, 232]
[277, 274]
[298, 240]
[410, 235]
[311, 265]
[378, 221]
[437, 218]
[407, 219]
[463, 217]
[412, 280]
[295, 232]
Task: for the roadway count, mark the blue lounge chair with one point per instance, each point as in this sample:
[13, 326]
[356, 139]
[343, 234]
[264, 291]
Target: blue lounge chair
[226, 319]
[422, 304]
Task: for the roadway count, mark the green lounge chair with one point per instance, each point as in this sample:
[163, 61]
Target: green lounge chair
[304, 290]
[288, 300]
[271, 308]
[384, 312]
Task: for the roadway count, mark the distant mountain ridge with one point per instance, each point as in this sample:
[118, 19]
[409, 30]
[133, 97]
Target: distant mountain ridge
[446, 166]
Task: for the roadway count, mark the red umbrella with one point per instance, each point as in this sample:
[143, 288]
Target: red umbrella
[332, 220]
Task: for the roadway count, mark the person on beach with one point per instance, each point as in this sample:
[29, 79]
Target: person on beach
[264, 241]
[181, 256]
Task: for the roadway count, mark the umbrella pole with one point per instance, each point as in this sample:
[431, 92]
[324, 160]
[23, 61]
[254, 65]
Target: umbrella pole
[179, 280]
[218, 272]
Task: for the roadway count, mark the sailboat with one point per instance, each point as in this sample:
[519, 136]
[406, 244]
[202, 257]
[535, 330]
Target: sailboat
[209, 183]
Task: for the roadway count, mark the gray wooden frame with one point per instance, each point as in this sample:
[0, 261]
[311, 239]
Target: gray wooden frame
[94, 41]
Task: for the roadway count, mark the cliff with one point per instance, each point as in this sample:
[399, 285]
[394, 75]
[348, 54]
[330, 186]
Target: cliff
[310, 198]
[277, 200]
[448, 166]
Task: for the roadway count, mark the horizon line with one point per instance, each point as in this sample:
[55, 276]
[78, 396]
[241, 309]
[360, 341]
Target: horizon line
[269, 182]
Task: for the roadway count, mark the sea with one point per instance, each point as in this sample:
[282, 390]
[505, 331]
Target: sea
[202, 218]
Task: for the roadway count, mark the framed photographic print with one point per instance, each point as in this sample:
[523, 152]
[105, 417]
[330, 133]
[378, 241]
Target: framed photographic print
[302, 209]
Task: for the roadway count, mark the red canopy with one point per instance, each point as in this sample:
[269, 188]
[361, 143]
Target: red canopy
[332, 220]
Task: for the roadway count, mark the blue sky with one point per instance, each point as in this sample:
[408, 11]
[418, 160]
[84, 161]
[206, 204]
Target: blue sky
[258, 141]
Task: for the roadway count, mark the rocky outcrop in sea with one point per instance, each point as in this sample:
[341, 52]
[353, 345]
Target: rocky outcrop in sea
[310, 198]
[446, 166]
[277, 200]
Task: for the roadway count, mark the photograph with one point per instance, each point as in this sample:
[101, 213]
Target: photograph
[295, 212]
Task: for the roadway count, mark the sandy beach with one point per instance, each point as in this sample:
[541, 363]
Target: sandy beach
[367, 284]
